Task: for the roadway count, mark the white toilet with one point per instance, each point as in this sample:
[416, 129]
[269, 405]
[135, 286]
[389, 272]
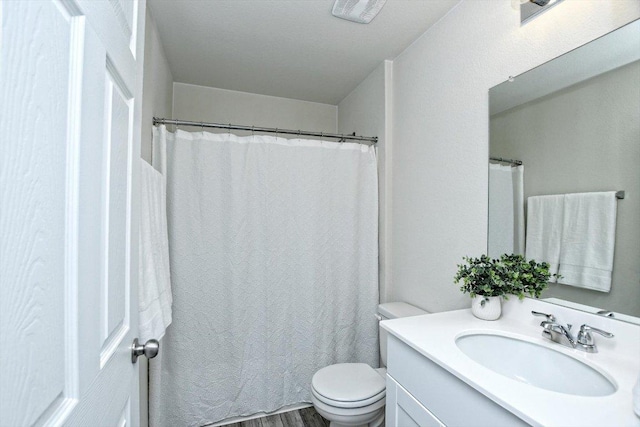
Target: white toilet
[353, 394]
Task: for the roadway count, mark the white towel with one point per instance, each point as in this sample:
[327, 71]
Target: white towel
[544, 230]
[154, 287]
[588, 240]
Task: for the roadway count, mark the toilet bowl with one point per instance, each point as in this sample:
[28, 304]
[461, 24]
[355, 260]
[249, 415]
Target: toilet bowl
[353, 394]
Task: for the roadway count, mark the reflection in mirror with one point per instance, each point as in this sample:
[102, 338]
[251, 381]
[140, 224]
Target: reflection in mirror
[574, 123]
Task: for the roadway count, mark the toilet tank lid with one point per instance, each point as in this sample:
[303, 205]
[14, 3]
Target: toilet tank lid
[394, 310]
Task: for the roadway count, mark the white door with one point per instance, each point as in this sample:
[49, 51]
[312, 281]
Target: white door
[70, 85]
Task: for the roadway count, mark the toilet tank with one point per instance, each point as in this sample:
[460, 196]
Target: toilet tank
[393, 310]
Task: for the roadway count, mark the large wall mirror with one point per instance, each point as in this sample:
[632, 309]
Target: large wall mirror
[568, 127]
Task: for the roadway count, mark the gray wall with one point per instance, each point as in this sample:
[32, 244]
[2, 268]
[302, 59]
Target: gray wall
[202, 103]
[157, 89]
[365, 111]
[441, 130]
[581, 139]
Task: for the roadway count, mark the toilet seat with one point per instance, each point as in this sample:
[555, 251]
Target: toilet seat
[363, 411]
[348, 385]
[349, 405]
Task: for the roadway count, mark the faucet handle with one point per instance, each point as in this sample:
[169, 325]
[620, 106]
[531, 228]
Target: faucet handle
[585, 338]
[585, 329]
[606, 313]
[550, 317]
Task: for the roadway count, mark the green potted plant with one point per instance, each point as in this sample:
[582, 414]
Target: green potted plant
[486, 280]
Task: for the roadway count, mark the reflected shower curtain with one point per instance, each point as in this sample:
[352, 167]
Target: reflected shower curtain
[274, 263]
[506, 210]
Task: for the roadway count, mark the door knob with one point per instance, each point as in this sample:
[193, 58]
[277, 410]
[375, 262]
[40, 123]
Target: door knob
[149, 349]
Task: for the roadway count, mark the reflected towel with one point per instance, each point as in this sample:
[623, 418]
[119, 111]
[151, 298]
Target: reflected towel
[588, 240]
[154, 288]
[544, 230]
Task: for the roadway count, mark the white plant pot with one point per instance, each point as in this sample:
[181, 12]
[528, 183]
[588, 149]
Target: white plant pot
[486, 308]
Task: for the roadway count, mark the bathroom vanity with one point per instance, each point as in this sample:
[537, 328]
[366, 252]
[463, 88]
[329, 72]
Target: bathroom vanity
[453, 369]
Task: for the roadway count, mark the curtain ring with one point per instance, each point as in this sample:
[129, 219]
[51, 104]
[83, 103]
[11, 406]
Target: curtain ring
[202, 127]
[229, 130]
[276, 133]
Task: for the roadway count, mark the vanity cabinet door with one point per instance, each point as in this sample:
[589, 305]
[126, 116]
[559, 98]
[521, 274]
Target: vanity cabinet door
[442, 392]
[403, 410]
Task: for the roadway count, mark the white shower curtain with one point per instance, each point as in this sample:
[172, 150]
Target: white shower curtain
[274, 261]
[506, 210]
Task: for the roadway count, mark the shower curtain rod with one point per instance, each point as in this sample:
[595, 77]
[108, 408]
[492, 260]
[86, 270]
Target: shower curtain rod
[341, 137]
[512, 161]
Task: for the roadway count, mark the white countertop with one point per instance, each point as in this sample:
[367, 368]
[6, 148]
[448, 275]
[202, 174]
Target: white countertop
[434, 336]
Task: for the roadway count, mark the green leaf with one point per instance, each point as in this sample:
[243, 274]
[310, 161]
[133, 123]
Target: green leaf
[509, 274]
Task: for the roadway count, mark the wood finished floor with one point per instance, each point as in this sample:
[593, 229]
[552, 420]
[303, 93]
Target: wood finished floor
[305, 417]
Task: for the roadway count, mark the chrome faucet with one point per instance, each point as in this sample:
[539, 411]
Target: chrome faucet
[560, 334]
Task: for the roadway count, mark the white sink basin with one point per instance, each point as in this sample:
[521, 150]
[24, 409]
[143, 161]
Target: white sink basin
[534, 364]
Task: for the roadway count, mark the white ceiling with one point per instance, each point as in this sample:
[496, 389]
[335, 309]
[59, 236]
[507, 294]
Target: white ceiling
[293, 49]
[606, 53]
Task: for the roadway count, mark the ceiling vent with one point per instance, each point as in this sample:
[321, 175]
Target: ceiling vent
[361, 11]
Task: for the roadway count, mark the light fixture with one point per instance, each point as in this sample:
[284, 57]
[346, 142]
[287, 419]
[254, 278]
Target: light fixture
[531, 8]
[361, 11]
